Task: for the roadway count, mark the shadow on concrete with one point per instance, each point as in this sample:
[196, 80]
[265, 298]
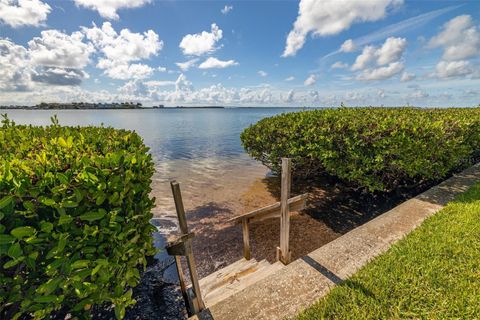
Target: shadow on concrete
[323, 270]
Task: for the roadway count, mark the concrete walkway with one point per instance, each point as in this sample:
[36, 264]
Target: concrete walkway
[288, 291]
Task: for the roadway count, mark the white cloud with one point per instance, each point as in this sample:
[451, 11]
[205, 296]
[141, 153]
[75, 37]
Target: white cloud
[15, 68]
[453, 69]
[348, 46]
[120, 49]
[311, 80]
[365, 58]
[330, 17]
[226, 9]
[391, 51]
[339, 65]
[17, 13]
[289, 98]
[407, 76]
[262, 73]
[162, 69]
[291, 78]
[184, 66]
[381, 73]
[159, 83]
[54, 58]
[56, 49]
[108, 8]
[201, 43]
[459, 38]
[212, 62]
[125, 71]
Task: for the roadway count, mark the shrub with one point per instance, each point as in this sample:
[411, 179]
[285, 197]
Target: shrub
[373, 148]
[74, 214]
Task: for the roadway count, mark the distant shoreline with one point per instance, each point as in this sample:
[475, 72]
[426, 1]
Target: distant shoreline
[103, 108]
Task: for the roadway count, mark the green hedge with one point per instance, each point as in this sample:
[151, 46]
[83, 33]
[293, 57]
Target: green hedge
[74, 214]
[374, 148]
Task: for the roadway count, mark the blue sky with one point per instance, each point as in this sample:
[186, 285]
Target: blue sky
[252, 53]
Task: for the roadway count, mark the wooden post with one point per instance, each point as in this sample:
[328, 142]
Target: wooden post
[197, 301]
[283, 252]
[246, 239]
[183, 286]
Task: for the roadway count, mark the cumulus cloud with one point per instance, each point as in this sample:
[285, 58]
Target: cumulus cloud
[311, 80]
[391, 51]
[459, 38]
[201, 43]
[262, 73]
[226, 9]
[121, 49]
[406, 76]
[330, 17]
[215, 63]
[54, 58]
[56, 49]
[15, 67]
[339, 65]
[379, 63]
[348, 46]
[17, 13]
[108, 8]
[291, 78]
[381, 73]
[184, 66]
[453, 69]
[59, 76]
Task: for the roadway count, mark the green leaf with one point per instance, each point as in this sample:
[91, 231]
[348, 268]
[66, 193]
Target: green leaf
[48, 202]
[6, 239]
[22, 232]
[45, 299]
[62, 178]
[119, 311]
[64, 219]
[46, 226]
[5, 201]
[79, 264]
[93, 215]
[11, 263]
[15, 251]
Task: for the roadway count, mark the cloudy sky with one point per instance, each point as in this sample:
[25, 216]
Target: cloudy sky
[241, 53]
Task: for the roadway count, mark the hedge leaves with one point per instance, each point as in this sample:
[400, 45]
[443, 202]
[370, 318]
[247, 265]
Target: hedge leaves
[74, 219]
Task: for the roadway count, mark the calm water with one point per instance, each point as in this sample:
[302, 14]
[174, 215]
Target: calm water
[200, 148]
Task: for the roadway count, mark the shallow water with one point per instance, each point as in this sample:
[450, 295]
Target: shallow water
[200, 148]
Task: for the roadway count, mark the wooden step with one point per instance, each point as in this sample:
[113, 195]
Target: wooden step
[234, 278]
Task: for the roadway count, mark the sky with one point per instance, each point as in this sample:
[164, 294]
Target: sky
[314, 53]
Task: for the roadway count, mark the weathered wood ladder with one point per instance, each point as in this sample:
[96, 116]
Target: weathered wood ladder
[182, 246]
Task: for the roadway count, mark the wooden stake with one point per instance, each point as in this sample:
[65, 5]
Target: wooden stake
[246, 239]
[283, 253]
[197, 301]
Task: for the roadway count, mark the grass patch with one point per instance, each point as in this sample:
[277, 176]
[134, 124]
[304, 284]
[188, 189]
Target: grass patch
[434, 273]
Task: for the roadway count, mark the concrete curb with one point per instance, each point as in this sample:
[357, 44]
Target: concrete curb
[290, 290]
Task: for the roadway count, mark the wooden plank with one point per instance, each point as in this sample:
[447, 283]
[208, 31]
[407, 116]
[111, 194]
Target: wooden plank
[246, 239]
[295, 204]
[197, 301]
[284, 211]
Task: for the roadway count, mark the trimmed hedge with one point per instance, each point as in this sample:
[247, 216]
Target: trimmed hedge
[74, 214]
[379, 149]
